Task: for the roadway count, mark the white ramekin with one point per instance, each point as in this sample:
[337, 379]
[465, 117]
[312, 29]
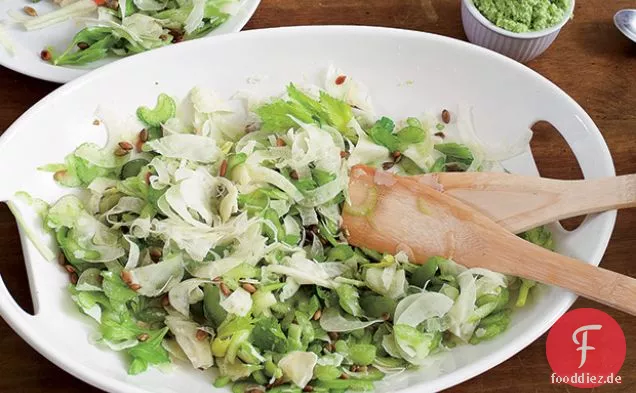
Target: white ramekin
[522, 47]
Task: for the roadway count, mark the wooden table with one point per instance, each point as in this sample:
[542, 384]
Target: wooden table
[590, 61]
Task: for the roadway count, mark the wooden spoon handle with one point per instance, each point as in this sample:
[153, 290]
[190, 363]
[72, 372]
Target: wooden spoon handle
[520, 258]
[589, 196]
[519, 203]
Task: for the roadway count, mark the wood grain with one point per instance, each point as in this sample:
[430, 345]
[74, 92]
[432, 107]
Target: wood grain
[590, 60]
[519, 203]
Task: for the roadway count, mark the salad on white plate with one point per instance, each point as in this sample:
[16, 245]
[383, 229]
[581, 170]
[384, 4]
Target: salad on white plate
[208, 232]
[125, 27]
[58, 40]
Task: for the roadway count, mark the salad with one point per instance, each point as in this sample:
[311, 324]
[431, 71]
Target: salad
[125, 27]
[207, 232]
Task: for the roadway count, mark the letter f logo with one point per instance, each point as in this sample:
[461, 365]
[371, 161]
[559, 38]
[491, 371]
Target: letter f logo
[584, 347]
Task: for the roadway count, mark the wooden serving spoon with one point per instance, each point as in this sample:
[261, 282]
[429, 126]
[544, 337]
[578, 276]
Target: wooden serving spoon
[391, 213]
[519, 203]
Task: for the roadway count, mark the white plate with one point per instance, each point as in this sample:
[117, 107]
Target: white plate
[406, 73]
[27, 45]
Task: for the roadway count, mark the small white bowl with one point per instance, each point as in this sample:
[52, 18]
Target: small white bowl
[522, 47]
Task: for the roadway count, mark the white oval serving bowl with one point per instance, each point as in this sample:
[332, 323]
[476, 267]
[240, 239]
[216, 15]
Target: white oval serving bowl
[406, 73]
[27, 45]
[522, 47]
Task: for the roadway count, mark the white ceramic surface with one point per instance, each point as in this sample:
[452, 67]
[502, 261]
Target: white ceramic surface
[27, 45]
[406, 72]
[522, 47]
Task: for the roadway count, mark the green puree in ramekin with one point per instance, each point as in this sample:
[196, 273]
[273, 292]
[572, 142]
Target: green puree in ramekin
[520, 16]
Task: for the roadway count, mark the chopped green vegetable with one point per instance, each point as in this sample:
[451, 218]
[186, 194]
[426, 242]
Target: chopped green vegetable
[327, 373]
[213, 311]
[382, 134]
[233, 161]
[348, 295]
[377, 306]
[438, 165]
[100, 41]
[542, 237]
[165, 109]
[340, 252]
[490, 327]
[220, 382]
[455, 153]
[410, 167]
[411, 134]
[423, 273]
[133, 167]
[268, 336]
[539, 236]
[279, 115]
[362, 354]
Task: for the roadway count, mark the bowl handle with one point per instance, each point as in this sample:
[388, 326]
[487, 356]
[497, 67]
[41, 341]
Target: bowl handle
[577, 128]
[9, 309]
[580, 133]
[38, 258]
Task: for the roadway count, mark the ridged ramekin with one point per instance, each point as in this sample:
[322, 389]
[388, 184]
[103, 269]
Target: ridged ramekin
[522, 47]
